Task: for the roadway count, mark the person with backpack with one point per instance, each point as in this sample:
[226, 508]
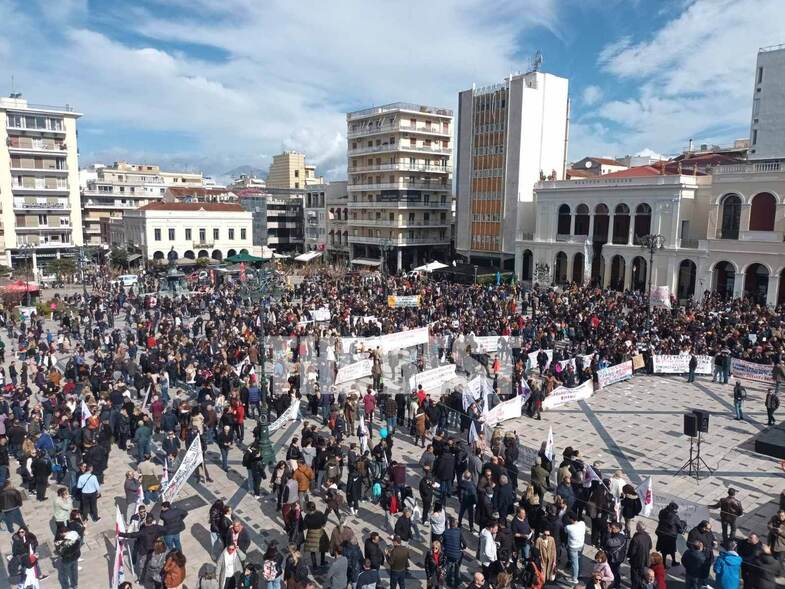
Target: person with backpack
[772, 403]
[68, 546]
[739, 395]
[272, 567]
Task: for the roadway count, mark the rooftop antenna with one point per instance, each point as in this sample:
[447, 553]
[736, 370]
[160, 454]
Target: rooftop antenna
[537, 61]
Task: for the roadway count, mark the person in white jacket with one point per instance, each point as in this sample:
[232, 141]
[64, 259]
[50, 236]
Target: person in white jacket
[616, 486]
[487, 547]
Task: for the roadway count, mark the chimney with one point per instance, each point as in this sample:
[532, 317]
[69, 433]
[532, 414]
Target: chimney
[689, 147]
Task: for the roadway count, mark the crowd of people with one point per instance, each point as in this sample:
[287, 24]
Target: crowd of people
[136, 376]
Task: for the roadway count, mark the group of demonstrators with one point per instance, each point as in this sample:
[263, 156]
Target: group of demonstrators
[128, 377]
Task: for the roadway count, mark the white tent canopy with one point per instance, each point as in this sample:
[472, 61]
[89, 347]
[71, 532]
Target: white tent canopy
[430, 267]
[307, 256]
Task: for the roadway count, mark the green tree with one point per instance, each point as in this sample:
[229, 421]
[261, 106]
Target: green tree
[119, 258]
[61, 266]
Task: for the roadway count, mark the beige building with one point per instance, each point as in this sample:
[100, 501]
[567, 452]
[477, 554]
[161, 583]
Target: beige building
[115, 190]
[336, 220]
[183, 179]
[289, 170]
[39, 182]
[400, 185]
[722, 231]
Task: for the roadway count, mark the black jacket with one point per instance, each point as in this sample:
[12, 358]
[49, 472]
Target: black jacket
[639, 550]
[145, 538]
[374, 553]
[766, 571]
[444, 467]
[174, 520]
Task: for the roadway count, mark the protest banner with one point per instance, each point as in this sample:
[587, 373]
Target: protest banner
[509, 409]
[660, 296]
[613, 374]
[533, 358]
[354, 371]
[638, 362]
[550, 450]
[670, 364]
[118, 567]
[484, 344]
[705, 365]
[644, 491]
[433, 379]
[477, 389]
[562, 395]
[751, 371]
[398, 301]
[322, 314]
[565, 363]
[191, 461]
[288, 415]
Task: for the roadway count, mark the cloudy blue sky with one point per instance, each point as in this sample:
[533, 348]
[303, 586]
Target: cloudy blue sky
[212, 84]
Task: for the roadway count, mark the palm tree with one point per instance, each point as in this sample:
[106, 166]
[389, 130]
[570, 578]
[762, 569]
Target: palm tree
[119, 258]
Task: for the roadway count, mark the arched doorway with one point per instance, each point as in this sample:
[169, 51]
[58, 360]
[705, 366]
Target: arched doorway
[231, 253]
[598, 270]
[756, 283]
[528, 259]
[601, 220]
[723, 279]
[217, 255]
[244, 251]
[564, 223]
[560, 269]
[617, 273]
[158, 256]
[582, 220]
[189, 254]
[578, 264]
[731, 217]
[642, 222]
[781, 291]
[763, 212]
[621, 224]
[203, 254]
[686, 284]
[638, 276]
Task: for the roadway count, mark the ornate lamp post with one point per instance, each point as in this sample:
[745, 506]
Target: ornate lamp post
[263, 285]
[651, 243]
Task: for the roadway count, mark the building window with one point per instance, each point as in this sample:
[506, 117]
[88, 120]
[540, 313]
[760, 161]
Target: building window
[231, 233]
[297, 173]
[171, 234]
[760, 75]
[215, 233]
[243, 233]
[157, 234]
[202, 235]
[188, 233]
[754, 136]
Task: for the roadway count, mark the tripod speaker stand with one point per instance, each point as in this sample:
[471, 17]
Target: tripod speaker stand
[693, 426]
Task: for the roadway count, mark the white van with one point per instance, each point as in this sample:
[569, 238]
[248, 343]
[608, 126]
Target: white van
[126, 279]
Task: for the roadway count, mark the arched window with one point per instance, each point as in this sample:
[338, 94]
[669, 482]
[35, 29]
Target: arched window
[763, 211]
[731, 217]
[582, 220]
[621, 224]
[642, 222]
[563, 227]
[560, 270]
[601, 221]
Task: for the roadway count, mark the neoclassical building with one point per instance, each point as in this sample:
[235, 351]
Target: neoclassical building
[722, 231]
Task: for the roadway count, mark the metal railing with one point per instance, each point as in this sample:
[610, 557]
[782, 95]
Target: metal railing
[410, 106]
[398, 204]
[397, 127]
[404, 185]
[399, 147]
[402, 167]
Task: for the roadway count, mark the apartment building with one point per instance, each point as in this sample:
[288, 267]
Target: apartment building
[183, 179]
[39, 182]
[289, 170]
[277, 217]
[767, 128]
[315, 218]
[111, 191]
[336, 223]
[191, 230]
[510, 136]
[400, 185]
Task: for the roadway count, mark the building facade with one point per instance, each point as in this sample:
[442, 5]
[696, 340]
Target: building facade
[400, 185]
[767, 129]
[337, 208]
[289, 170]
[722, 231]
[115, 190]
[39, 182]
[315, 218]
[277, 218]
[191, 230]
[510, 135]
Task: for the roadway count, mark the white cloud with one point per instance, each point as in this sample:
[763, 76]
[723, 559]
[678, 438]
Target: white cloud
[591, 95]
[292, 69]
[694, 76]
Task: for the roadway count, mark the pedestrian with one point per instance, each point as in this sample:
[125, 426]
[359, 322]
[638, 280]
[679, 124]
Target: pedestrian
[772, 403]
[727, 568]
[337, 577]
[68, 549]
[696, 565]
[638, 554]
[693, 364]
[397, 558]
[61, 505]
[730, 509]
[228, 564]
[739, 395]
[749, 549]
[766, 570]
[225, 441]
[88, 492]
[615, 548]
[576, 537]
[669, 527]
[10, 506]
[173, 519]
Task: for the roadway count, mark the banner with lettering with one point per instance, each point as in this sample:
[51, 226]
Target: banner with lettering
[613, 374]
[533, 358]
[191, 461]
[398, 301]
[433, 379]
[562, 395]
[354, 371]
[751, 370]
[503, 411]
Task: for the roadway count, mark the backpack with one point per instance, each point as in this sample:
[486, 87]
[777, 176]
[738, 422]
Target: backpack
[270, 570]
[394, 504]
[331, 422]
[376, 491]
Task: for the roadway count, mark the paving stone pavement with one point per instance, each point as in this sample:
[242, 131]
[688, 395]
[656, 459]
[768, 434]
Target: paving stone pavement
[634, 425]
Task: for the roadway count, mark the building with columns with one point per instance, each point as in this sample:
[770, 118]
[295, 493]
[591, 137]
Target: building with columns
[722, 231]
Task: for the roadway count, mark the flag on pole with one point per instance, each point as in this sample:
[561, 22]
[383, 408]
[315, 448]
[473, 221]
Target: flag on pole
[139, 496]
[647, 497]
[549, 449]
[118, 570]
[589, 475]
[165, 475]
[86, 414]
[191, 461]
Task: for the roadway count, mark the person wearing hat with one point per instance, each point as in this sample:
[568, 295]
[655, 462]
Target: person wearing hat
[730, 509]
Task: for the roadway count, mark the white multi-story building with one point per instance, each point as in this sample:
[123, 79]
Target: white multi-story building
[314, 218]
[39, 182]
[510, 135]
[722, 231]
[184, 179]
[191, 230]
[400, 185]
[767, 129]
[337, 208]
[111, 191]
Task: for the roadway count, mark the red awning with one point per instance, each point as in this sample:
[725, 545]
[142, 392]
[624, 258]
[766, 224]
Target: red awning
[21, 286]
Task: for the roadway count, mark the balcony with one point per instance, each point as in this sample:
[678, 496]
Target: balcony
[40, 187]
[759, 168]
[399, 204]
[108, 206]
[39, 206]
[396, 106]
[45, 129]
[399, 127]
[402, 224]
[391, 147]
[45, 245]
[404, 185]
[56, 149]
[39, 171]
[37, 228]
[401, 242]
[402, 167]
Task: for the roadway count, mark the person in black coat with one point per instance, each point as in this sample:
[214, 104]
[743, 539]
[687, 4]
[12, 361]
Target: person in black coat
[373, 550]
[668, 529]
[354, 491]
[505, 497]
[702, 532]
[41, 468]
[638, 554]
[444, 473]
[173, 519]
[749, 549]
[765, 571]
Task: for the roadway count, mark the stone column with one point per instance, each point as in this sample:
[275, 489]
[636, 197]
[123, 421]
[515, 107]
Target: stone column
[572, 225]
[632, 229]
[772, 293]
[591, 226]
[400, 259]
[627, 273]
[738, 285]
[570, 262]
[610, 228]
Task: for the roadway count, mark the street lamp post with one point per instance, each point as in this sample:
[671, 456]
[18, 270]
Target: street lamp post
[651, 243]
[27, 254]
[263, 286]
[82, 260]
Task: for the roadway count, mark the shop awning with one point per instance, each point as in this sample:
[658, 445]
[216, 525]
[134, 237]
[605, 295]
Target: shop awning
[134, 257]
[366, 262]
[307, 256]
